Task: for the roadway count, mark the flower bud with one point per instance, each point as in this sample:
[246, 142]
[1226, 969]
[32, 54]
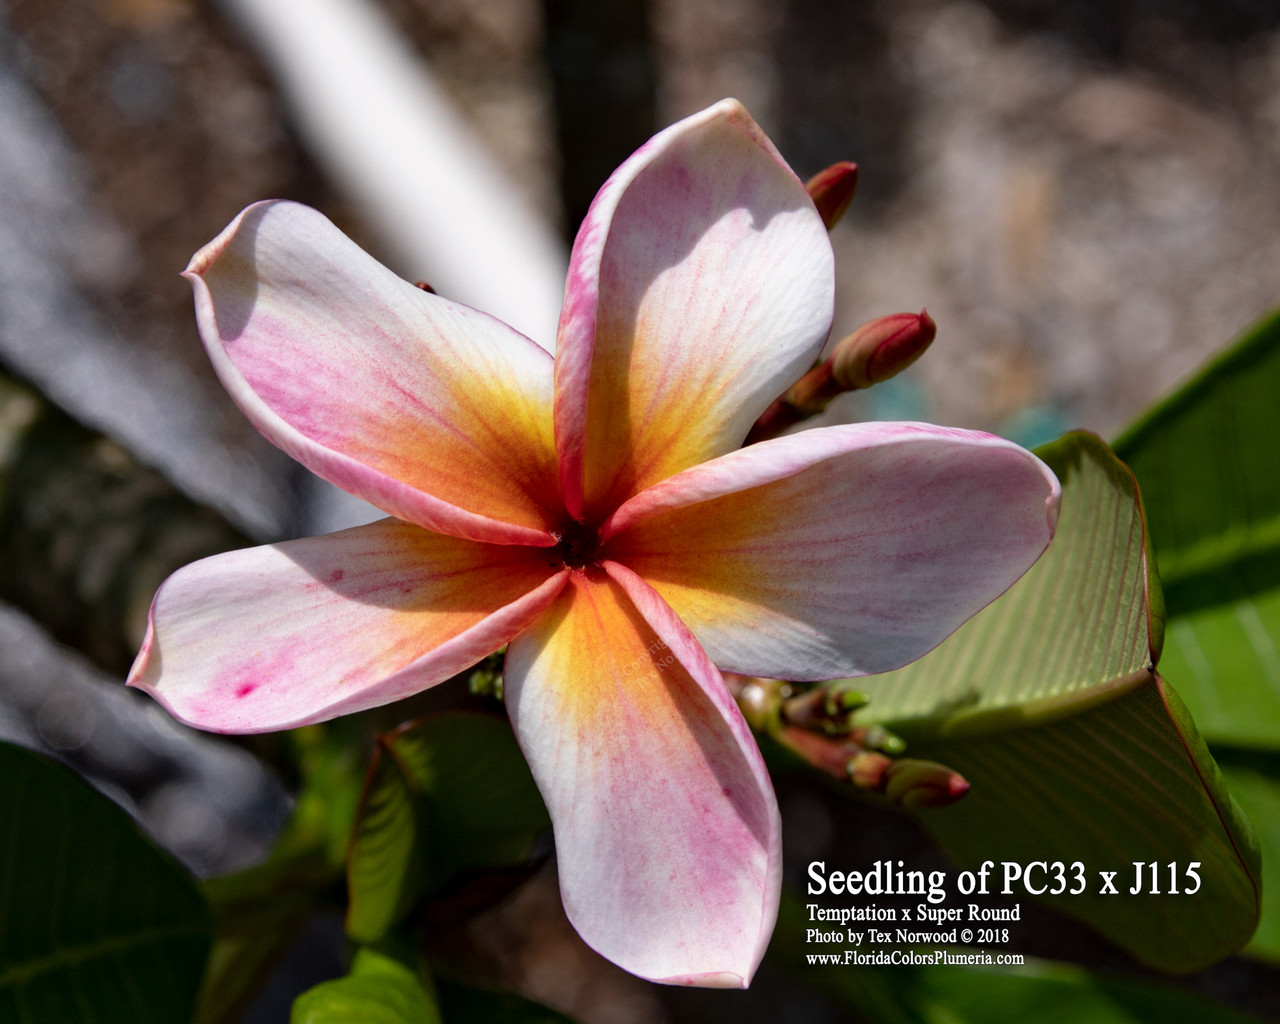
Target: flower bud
[876, 351]
[759, 700]
[877, 737]
[920, 784]
[813, 392]
[825, 754]
[880, 349]
[832, 190]
[869, 770]
[827, 709]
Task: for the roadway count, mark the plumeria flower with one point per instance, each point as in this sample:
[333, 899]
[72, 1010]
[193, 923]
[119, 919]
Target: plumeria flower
[597, 514]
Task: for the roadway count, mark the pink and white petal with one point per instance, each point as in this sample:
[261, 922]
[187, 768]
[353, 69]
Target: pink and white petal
[700, 287]
[432, 411]
[280, 636]
[839, 551]
[666, 826]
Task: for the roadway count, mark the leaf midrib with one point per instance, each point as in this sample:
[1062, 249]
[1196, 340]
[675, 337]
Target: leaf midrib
[985, 719]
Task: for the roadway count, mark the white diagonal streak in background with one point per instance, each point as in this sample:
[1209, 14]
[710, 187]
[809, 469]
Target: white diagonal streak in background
[371, 113]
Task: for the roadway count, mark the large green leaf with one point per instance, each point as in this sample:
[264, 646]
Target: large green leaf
[97, 924]
[1118, 783]
[1207, 461]
[1047, 702]
[449, 793]
[1209, 467]
[1227, 663]
[1255, 783]
[379, 990]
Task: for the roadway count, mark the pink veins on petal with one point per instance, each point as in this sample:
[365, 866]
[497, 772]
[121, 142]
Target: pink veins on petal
[598, 514]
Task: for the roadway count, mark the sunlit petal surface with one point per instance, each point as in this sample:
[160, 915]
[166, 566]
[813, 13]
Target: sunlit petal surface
[430, 410]
[274, 637]
[700, 287]
[842, 551]
[665, 822]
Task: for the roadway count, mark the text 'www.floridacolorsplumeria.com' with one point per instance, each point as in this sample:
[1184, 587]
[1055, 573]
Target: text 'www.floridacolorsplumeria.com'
[913, 957]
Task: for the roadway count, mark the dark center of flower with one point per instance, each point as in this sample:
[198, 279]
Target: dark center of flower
[579, 545]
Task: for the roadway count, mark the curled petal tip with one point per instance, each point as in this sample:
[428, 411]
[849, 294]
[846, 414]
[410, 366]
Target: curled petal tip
[200, 262]
[147, 651]
[832, 191]
[208, 254]
[729, 107]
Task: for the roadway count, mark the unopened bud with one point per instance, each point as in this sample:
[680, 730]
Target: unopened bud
[881, 348]
[832, 190]
[920, 784]
[824, 753]
[842, 701]
[876, 351]
[877, 737]
[780, 415]
[869, 770]
[830, 710]
[807, 709]
[813, 392]
[759, 700]
[424, 286]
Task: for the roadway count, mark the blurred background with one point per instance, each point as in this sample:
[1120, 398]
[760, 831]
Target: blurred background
[1085, 196]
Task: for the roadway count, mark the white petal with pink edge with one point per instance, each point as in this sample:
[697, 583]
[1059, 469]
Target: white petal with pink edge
[432, 411]
[700, 287]
[666, 826]
[280, 636]
[839, 551]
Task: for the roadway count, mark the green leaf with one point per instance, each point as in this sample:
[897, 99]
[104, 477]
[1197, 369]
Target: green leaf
[1255, 784]
[1051, 993]
[97, 924]
[1209, 467]
[1075, 749]
[1227, 664]
[379, 990]
[449, 793]
[387, 863]
[1207, 460]
[460, 1004]
[1072, 632]
[1119, 783]
[330, 760]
